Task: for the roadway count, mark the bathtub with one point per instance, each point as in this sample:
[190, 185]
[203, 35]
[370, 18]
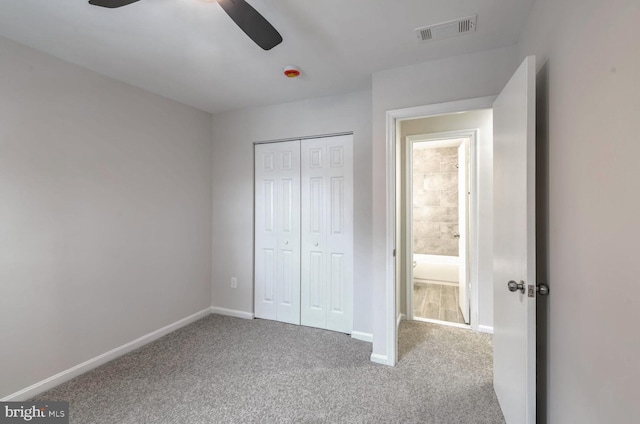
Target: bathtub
[436, 268]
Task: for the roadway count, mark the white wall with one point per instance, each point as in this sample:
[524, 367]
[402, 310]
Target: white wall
[483, 266]
[589, 105]
[234, 134]
[456, 78]
[105, 214]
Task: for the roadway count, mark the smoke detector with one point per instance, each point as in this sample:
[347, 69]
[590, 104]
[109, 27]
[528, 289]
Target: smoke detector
[447, 29]
[291, 71]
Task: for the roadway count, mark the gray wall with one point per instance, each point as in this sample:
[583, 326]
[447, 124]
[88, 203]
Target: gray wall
[105, 214]
[435, 200]
[456, 78]
[588, 109]
[234, 134]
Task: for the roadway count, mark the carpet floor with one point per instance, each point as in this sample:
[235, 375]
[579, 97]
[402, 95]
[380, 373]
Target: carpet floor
[229, 370]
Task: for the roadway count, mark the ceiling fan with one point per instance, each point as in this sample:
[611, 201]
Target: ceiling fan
[241, 12]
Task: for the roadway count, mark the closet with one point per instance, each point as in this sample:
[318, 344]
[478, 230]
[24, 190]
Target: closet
[304, 232]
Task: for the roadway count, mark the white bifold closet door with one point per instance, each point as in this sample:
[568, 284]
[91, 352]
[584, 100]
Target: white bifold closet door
[277, 229]
[304, 232]
[327, 233]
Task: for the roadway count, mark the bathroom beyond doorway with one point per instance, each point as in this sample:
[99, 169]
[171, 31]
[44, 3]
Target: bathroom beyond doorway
[439, 237]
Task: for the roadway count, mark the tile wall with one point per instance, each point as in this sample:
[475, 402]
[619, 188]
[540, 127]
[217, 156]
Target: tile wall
[435, 200]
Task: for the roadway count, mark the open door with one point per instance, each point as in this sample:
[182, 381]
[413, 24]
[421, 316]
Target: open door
[514, 263]
[463, 228]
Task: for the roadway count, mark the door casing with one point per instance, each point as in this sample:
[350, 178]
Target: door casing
[392, 118]
[471, 239]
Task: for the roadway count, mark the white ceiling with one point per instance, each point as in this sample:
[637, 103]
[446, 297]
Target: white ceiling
[191, 51]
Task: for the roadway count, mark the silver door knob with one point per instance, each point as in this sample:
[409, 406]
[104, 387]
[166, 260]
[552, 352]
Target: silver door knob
[286, 242]
[542, 289]
[456, 235]
[514, 287]
[315, 244]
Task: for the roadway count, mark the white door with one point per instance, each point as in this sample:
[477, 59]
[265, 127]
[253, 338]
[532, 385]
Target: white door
[463, 228]
[327, 233]
[277, 231]
[514, 340]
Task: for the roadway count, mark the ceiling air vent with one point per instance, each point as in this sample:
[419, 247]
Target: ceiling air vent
[447, 29]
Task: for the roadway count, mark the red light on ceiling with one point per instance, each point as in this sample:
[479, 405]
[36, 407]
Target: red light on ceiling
[291, 71]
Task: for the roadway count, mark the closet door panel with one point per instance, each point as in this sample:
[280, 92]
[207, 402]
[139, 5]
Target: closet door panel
[327, 233]
[339, 237]
[277, 231]
[315, 285]
[288, 224]
[314, 263]
[265, 232]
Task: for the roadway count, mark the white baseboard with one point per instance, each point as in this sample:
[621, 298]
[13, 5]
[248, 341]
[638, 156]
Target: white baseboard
[231, 312]
[380, 359]
[401, 317]
[359, 335]
[485, 329]
[92, 363]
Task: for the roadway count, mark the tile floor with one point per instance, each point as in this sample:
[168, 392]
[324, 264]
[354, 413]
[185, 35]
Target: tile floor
[436, 301]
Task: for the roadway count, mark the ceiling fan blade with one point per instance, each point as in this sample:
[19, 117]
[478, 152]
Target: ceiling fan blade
[252, 23]
[111, 4]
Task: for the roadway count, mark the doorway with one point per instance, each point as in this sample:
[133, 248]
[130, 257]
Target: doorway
[513, 208]
[445, 117]
[437, 191]
[449, 259]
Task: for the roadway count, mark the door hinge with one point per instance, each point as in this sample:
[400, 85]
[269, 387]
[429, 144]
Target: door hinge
[394, 253]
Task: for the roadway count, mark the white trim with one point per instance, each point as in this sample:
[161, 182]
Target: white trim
[485, 329]
[442, 108]
[408, 216]
[380, 359]
[231, 312]
[306, 137]
[359, 335]
[440, 139]
[391, 345]
[92, 363]
[391, 341]
[441, 322]
[401, 317]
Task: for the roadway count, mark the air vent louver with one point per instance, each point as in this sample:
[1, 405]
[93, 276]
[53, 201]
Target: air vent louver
[425, 34]
[465, 26]
[447, 29]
